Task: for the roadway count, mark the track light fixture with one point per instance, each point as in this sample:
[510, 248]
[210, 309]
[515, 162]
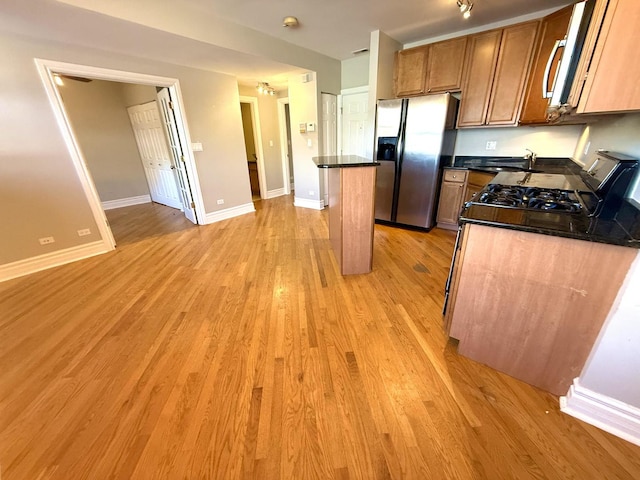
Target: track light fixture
[465, 7]
[265, 89]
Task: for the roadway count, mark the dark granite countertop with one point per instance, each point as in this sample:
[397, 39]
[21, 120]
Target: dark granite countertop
[342, 161]
[623, 230]
[495, 164]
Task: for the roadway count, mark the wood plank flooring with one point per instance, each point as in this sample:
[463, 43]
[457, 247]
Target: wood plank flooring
[237, 351]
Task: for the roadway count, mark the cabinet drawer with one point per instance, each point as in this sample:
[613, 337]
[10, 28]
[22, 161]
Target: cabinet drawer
[458, 176]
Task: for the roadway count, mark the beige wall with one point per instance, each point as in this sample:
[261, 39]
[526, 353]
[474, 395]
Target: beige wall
[41, 193]
[137, 94]
[355, 71]
[303, 108]
[99, 118]
[620, 133]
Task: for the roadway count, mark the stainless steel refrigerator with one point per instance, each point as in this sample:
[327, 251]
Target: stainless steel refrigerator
[414, 137]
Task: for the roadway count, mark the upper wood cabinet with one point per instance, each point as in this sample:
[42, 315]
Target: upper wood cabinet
[482, 56]
[612, 66]
[497, 65]
[445, 65]
[410, 70]
[433, 68]
[553, 28]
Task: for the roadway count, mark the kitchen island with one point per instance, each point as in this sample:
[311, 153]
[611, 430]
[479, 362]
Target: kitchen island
[352, 181]
[531, 305]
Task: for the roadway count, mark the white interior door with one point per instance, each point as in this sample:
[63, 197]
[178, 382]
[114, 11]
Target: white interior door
[154, 153]
[355, 108]
[177, 152]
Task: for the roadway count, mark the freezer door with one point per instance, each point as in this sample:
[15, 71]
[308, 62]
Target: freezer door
[386, 149]
[420, 166]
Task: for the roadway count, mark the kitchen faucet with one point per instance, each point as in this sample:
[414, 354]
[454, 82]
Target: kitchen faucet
[531, 157]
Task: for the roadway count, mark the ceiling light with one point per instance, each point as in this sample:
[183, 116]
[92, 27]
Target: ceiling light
[289, 22]
[265, 89]
[465, 7]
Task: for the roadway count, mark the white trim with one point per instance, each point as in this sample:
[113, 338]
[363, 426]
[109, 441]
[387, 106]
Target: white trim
[606, 413]
[52, 259]
[306, 203]
[47, 68]
[354, 90]
[126, 202]
[227, 213]
[278, 192]
[284, 146]
[257, 140]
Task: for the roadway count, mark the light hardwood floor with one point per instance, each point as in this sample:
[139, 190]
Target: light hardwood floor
[236, 350]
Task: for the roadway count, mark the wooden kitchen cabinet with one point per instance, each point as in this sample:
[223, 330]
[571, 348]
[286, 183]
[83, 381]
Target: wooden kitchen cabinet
[532, 305]
[458, 186]
[610, 74]
[497, 66]
[480, 65]
[553, 28]
[445, 65]
[451, 196]
[410, 71]
[434, 68]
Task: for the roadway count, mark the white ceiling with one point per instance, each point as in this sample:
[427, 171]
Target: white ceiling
[334, 28]
[338, 27]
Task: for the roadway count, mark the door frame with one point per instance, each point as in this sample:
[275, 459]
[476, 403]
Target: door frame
[284, 146]
[47, 68]
[257, 140]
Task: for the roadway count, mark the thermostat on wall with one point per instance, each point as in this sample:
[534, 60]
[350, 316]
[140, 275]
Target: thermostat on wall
[311, 127]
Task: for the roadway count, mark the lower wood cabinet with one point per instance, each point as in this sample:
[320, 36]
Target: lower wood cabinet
[532, 305]
[458, 186]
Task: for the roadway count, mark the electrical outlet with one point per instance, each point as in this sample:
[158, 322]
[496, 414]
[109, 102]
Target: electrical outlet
[220, 201]
[492, 145]
[46, 240]
[311, 192]
[84, 232]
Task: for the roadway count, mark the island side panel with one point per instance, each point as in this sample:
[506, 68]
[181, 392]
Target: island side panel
[532, 305]
[335, 212]
[358, 187]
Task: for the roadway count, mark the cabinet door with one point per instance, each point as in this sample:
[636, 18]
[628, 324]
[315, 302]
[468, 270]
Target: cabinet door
[410, 71]
[514, 60]
[482, 56]
[446, 60]
[612, 82]
[553, 28]
[450, 203]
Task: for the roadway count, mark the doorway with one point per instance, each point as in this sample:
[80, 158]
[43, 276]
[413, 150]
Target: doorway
[49, 70]
[253, 146]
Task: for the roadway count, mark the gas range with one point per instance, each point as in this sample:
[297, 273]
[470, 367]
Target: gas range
[516, 196]
[597, 192]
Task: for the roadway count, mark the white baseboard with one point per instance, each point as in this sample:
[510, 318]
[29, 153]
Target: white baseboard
[606, 413]
[50, 260]
[278, 192]
[126, 202]
[227, 213]
[306, 203]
